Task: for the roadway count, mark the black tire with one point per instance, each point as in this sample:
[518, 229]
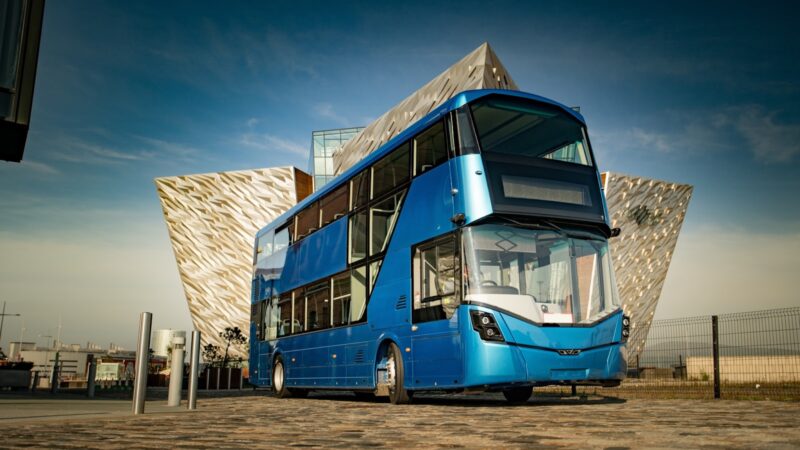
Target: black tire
[518, 394]
[279, 379]
[398, 395]
[367, 396]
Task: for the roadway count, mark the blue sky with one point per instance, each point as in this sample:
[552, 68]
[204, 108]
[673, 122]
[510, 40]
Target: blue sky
[703, 93]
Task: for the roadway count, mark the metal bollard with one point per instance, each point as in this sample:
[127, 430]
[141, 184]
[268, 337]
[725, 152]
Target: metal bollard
[142, 362]
[176, 373]
[91, 373]
[194, 370]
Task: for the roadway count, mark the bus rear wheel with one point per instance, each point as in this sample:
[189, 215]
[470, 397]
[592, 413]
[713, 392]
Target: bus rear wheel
[518, 394]
[397, 393]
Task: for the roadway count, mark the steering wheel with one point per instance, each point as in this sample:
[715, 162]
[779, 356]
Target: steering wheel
[488, 283]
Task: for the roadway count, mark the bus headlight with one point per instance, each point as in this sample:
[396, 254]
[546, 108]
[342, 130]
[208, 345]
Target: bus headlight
[485, 324]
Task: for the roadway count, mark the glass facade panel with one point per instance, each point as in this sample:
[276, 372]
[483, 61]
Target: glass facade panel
[323, 145]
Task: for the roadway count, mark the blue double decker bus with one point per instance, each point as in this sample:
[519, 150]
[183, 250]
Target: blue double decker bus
[468, 253]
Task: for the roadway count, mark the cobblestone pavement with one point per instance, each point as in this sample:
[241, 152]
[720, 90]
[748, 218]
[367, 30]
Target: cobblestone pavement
[484, 421]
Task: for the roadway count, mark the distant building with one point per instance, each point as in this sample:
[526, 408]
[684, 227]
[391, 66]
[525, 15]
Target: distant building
[323, 144]
[161, 342]
[73, 361]
[20, 30]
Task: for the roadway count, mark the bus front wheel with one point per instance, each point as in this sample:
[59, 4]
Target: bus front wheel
[518, 394]
[279, 381]
[397, 392]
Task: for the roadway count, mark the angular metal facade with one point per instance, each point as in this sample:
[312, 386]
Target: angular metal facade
[650, 214]
[212, 221]
[480, 69]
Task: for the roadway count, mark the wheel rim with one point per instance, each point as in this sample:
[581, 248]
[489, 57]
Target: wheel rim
[278, 378]
[390, 372]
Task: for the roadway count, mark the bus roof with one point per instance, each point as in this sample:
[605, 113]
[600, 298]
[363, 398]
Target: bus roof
[454, 102]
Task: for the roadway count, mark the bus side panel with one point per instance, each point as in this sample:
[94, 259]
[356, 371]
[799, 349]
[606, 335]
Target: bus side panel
[317, 256]
[314, 360]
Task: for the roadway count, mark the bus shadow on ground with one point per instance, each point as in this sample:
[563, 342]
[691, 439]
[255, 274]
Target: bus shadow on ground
[473, 400]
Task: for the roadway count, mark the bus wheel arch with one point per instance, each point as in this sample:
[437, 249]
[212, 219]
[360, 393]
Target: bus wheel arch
[390, 370]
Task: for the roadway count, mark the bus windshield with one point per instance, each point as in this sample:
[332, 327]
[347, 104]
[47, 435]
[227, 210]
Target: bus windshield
[545, 276]
[523, 128]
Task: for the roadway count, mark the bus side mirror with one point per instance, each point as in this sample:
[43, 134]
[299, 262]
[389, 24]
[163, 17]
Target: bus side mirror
[615, 232]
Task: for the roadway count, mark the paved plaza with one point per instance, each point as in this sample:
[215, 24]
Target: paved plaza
[340, 420]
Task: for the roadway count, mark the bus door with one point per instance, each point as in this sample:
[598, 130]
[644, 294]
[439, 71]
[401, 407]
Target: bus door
[436, 341]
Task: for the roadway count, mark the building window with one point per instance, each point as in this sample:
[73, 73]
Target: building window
[334, 205]
[390, 172]
[266, 313]
[285, 314]
[274, 319]
[358, 294]
[256, 311]
[299, 322]
[340, 300]
[318, 316]
[307, 221]
[374, 270]
[383, 217]
[358, 236]
[359, 190]
[430, 148]
[436, 280]
[281, 240]
[264, 247]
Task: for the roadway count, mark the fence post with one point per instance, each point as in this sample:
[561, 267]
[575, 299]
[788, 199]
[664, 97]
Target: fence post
[142, 362]
[194, 370]
[91, 373]
[715, 347]
[55, 376]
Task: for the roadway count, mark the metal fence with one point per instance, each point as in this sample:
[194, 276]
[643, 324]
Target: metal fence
[753, 355]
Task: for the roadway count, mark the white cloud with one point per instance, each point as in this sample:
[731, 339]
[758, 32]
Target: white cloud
[270, 143]
[39, 167]
[76, 150]
[326, 111]
[721, 130]
[769, 141]
[650, 140]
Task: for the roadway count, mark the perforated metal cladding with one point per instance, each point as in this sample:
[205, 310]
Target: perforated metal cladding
[650, 214]
[480, 69]
[212, 221]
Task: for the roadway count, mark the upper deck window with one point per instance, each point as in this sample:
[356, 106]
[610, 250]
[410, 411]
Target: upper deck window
[430, 148]
[390, 172]
[307, 221]
[524, 128]
[333, 205]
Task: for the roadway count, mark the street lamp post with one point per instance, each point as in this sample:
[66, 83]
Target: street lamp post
[2, 321]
